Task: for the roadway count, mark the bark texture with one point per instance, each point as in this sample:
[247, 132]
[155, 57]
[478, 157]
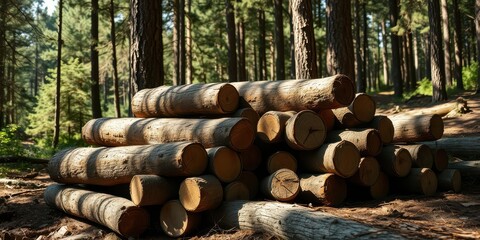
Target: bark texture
[395, 161]
[414, 128]
[327, 189]
[457, 146]
[367, 141]
[305, 53]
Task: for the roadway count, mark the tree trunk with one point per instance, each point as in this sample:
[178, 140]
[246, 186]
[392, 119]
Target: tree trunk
[340, 57]
[446, 42]
[224, 163]
[146, 52]
[232, 53]
[262, 49]
[361, 83]
[421, 155]
[395, 73]
[279, 160]
[367, 141]
[56, 131]
[315, 94]
[365, 49]
[147, 190]
[281, 220]
[116, 213]
[454, 107]
[428, 59]
[3, 53]
[395, 161]
[320, 51]
[386, 69]
[458, 146]
[305, 131]
[466, 168]
[458, 40]
[116, 97]
[95, 84]
[279, 41]
[199, 194]
[236, 133]
[450, 179]
[341, 158]
[292, 41]
[271, 126]
[414, 128]
[188, 100]
[189, 44]
[437, 58]
[113, 166]
[327, 189]
[419, 180]
[305, 53]
[282, 185]
[242, 67]
[368, 172]
[477, 34]
[411, 61]
[176, 221]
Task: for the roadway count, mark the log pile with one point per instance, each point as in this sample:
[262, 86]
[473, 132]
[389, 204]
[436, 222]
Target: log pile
[195, 150]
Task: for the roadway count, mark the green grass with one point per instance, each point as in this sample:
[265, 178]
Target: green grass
[17, 168]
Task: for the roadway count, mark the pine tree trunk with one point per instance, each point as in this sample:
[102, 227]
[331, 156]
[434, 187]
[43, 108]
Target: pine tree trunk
[366, 78]
[446, 42]
[279, 41]
[386, 69]
[320, 53]
[146, 52]
[116, 97]
[361, 84]
[292, 42]
[437, 59]
[411, 61]
[189, 44]
[56, 132]
[396, 74]
[95, 72]
[458, 39]
[232, 49]
[305, 53]
[340, 57]
[242, 67]
[477, 34]
[262, 50]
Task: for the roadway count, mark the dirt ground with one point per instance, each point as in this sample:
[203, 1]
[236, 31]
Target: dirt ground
[446, 215]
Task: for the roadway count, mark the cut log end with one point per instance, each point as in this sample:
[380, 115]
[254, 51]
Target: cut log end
[402, 163]
[385, 129]
[381, 187]
[271, 126]
[436, 127]
[328, 189]
[144, 190]
[133, 222]
[328, 118]
[305, 131]
[421, 155]
[198, 194]
[450, 179]
[428, 181]
[374, 143]
[242, 135]
[236, 191]
[249, 114]
[363, 107]
[176, 221]
[283, 185]
[346, 159]
[368, 172]
[440, 159]
[194, 159]
[281, 159]
[224, 163]
[343, 90]
[228, 98]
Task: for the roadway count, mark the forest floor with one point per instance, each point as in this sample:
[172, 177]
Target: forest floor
[445, 215]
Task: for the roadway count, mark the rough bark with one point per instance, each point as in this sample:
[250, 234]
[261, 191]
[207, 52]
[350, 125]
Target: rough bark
[262, 52]
[386, 68]
[95, 68]
[384, 126]
[419, 180]
[305, 131]
[251, 158]
[279, 41]
[56, 131]
[116, 95]
[224, 163]
[232, 48]
[477, 39]
[361, 80]
[187, 100]
[292, 41]
[242, 67]
[446, 42]
[113, 166]
[395, 72]
[305, 53]
[368, 172]
[282, 185]
[458, 146]
[452, 108]
[176, 221]
[450, 179]
[421, 155]
[279, 160]
[146, 190]
[236, 191]
[466, 168]
[341, 158]
[282, 220]
[367, 141]
[189, 44]
[437, 58]
[414, 128]
[327, 189]
[146, 51]
[199, 194]
[236, 133]
[458, 41]
[395, 161]
[314, 94]
[116, 213]
[271, 126]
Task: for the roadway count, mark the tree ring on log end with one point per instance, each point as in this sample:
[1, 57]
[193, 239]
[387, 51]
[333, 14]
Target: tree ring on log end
[305, 131]
[436, 127]
[363, 107]
[284, 185]
[242, 135]
[269, 129]
[335, 190]
[175, 220]
[368, 171]
[386, 130]
[226, 165]
[346, 159]
[343, 90]
[133, 222]
[228, 98]
[374, 143]
[281, 159]
[194, 159]
[428, 181]
[402, 163]
[456, 181]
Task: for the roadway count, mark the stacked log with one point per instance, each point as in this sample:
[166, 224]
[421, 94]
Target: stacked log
[199, 148]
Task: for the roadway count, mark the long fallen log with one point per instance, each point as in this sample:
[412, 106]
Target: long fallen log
[116, 213]
[466, 168]
[367, 141]
[287, 221]
[237, 133]
[185, 100]
[456, 106]
[458, 146]
[113, 166]
[296, 95]
[414, 128]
